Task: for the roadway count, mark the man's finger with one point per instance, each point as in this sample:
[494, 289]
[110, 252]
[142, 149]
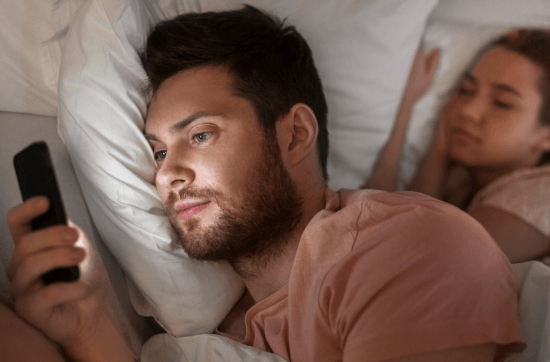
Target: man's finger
[39, 304]
[32, 268]
[20, 217]
[38, 241]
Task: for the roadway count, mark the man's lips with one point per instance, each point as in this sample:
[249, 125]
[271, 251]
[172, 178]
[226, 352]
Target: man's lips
[190, 209]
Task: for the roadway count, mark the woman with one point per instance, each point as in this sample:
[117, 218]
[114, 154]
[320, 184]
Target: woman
[491, 153]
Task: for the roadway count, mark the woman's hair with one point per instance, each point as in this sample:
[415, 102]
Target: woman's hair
[534, 44]
[270, 62]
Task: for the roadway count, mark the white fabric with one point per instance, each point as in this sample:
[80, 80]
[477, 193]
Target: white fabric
[206, 347]
[101, 118]
[23, 24]
[503, 12]
[533, 283]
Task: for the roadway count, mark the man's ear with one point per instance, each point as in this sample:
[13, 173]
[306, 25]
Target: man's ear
[300, 133]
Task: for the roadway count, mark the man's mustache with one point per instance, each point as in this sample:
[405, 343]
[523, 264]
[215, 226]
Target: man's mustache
[190, 193]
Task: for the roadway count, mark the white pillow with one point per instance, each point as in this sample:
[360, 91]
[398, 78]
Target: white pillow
[23, 24]
[460, 29]
[533, 283]
[362, 49]
[494, 12]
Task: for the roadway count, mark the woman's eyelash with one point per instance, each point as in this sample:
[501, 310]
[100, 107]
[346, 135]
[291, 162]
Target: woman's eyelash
[503, 105]
[464, 90]
[468, 92]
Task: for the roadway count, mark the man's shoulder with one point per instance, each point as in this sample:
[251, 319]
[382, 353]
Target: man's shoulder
[374, 205]
[406, 242]
[392, 228]
[398, 218]
[350, 197]
[395, 265]
[376, 232]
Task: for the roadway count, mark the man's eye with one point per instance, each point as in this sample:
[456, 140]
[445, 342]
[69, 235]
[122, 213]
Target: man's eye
[160, 155]
[202, 137]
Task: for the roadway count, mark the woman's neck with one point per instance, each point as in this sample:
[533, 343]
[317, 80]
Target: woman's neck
[482, 176]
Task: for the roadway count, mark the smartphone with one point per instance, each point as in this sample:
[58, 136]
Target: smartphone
[36, 176]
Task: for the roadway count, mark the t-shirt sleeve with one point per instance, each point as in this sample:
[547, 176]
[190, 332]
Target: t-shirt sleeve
[526, 196]
[422, 277]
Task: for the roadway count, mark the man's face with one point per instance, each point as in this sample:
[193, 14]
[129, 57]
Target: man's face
[222, 182]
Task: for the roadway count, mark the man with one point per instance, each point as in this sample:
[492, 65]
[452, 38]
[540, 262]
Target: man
[237, 124]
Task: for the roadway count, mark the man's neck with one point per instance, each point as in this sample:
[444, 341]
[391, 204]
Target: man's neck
[273, 277]
[266, 276]
[261, 281]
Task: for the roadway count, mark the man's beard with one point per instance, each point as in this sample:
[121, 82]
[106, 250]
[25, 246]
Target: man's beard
[257, 229]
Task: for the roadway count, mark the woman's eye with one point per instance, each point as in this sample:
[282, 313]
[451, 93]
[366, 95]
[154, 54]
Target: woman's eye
[465, 91]
[503, 105]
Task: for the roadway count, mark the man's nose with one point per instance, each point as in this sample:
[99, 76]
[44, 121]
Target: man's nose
[174, 172]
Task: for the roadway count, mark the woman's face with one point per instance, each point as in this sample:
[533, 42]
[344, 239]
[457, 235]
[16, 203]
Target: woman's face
[492, 119]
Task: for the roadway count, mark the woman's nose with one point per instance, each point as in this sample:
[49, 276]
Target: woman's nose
[472, 108]
[173, 172]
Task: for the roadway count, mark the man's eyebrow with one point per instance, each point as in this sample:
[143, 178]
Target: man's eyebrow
[468, 76]
[177, 127]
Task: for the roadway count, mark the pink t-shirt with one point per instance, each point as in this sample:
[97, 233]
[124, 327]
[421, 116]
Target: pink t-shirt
[523, 193]
[381, 275]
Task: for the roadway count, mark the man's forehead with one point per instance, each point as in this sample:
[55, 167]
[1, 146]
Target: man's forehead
[202, 86]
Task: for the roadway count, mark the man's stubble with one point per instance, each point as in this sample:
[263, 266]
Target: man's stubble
[255, 226]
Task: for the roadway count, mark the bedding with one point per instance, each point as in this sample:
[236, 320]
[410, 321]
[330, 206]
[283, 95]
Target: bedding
[77, 60]
[22, 24]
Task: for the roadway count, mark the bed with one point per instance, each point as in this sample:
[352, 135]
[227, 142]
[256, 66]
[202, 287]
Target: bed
[71, 75]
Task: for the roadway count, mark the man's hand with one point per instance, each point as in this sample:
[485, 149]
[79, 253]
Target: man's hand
[75, 315]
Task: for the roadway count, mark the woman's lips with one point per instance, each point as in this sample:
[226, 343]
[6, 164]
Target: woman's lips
[189, 210]
[465, 135]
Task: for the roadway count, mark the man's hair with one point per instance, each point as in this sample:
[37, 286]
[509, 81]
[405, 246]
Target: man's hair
[270, 62]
